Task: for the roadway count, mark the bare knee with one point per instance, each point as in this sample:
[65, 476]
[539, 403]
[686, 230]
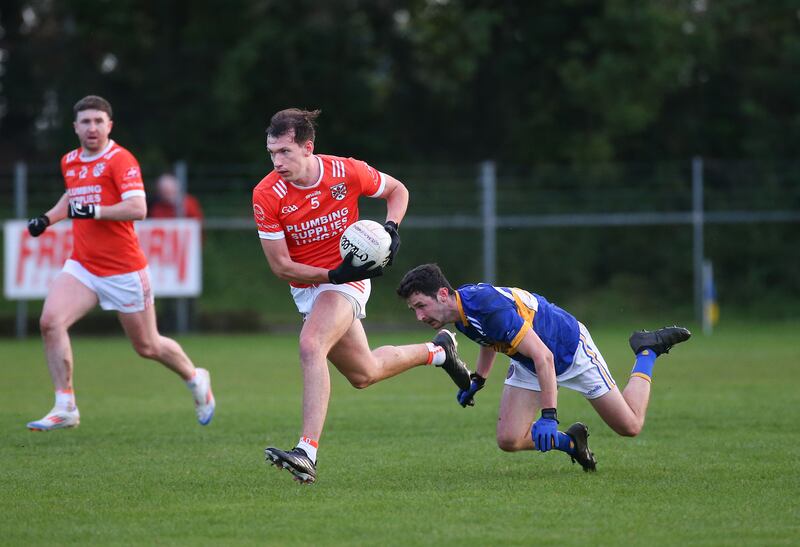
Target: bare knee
[630, 428]
[50, 325]
[311, 350]
[509, 443]
[361, 380]
[149, 349]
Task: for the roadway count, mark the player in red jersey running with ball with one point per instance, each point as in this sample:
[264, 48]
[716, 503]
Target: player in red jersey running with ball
[105, 194]
[301, 209]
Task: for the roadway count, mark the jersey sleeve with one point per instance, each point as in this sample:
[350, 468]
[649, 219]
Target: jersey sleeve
[127, 175]
[269, 227]
[372, 182]
[506, 326]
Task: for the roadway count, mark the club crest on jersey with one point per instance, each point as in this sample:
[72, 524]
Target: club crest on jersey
[98, 169]
[339, 191]
[258, 212]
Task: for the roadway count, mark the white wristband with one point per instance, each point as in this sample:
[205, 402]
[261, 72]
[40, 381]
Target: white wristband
[97, 212]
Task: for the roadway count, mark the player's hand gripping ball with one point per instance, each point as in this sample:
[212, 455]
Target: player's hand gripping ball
[368, 241]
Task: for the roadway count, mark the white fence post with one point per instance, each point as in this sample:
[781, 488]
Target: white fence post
[697, 239]
[489, 216]
[181, 304]
[21, 211]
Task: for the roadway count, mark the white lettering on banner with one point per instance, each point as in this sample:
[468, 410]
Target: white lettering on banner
[172, 247]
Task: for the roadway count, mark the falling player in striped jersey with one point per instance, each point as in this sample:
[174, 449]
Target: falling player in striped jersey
[301, 210]
[548, 348]
[104, 195]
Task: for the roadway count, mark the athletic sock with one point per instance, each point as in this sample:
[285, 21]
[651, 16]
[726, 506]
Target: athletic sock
[309, 446]
[643, 367]
[436, 354]
[65, 399]
[190, 383]
[564, 443]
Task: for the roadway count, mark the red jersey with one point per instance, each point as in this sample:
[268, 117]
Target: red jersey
[312, 218]
[162, 209]
[104, 247]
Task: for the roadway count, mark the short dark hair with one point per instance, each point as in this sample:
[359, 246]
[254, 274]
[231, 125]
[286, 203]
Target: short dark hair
[426, 279]
[93, 102]
[302, 122]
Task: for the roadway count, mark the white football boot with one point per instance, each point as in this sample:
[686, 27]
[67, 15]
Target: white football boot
[57, 418]
[204, 403]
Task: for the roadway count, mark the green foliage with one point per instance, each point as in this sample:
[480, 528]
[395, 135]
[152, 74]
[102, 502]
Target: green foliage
[400, 462]
[521, 82]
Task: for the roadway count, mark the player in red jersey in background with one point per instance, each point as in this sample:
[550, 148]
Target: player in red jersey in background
[104, 195]
[301, 209]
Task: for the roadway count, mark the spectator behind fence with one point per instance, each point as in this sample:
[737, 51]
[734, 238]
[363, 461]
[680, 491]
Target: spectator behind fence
[168, 196]
[168, 192]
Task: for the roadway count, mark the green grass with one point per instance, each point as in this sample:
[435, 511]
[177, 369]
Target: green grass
[400, 462]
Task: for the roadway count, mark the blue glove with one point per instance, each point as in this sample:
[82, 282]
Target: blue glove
[465, 397]
[545, 430]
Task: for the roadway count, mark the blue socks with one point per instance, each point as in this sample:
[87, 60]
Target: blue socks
[643, 367]
[564, 443]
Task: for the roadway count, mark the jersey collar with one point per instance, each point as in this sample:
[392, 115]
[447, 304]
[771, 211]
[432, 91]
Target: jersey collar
[84, 158]
[321, 174]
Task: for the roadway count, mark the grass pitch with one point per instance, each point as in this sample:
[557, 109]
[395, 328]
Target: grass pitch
[400, 462]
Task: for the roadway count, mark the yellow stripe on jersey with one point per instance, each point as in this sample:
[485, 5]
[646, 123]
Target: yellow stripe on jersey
[461, 310]
[526, 313]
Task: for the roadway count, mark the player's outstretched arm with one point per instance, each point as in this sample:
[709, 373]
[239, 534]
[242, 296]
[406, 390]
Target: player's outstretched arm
[545, 429]
[486, 357]
[133, 208]
[282, 265]
[37, 225]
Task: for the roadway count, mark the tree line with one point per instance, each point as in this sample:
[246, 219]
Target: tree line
[418, 81]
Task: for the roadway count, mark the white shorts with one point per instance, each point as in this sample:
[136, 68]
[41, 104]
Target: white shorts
[356, 292]
[588, 374]
[126, 293]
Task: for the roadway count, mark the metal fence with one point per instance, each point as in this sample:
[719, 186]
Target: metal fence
[488, 198]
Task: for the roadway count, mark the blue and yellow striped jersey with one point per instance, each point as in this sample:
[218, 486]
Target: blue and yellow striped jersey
[499, 317]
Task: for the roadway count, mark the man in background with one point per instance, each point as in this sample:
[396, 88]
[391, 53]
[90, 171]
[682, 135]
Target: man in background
[168, 196]
[104, 195]
[172, 201]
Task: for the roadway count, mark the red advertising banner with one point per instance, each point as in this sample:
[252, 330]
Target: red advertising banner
[172, 247]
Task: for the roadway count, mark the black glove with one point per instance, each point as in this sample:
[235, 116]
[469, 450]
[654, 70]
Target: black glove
[466, 397]
[346, 272]
[37, 225]
[83, 210]
[391, 227]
